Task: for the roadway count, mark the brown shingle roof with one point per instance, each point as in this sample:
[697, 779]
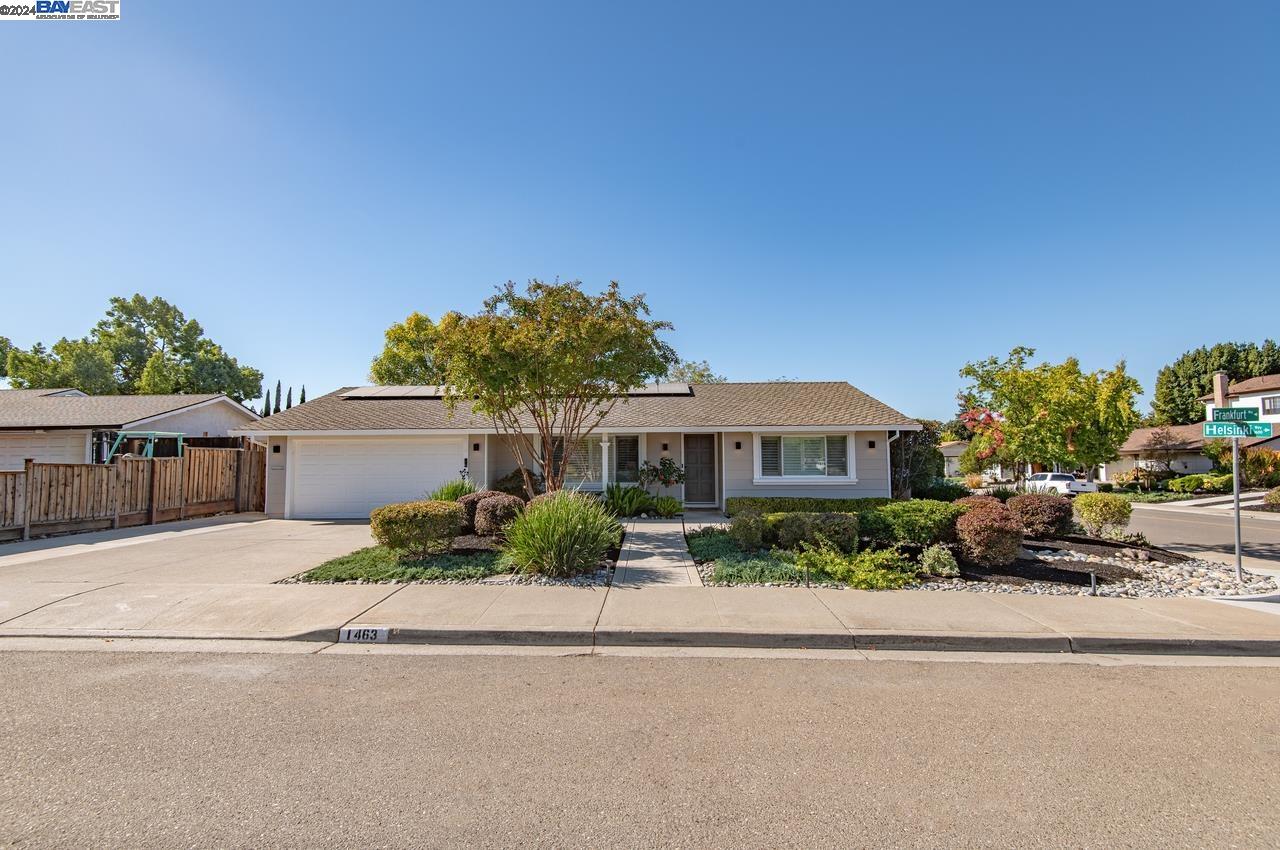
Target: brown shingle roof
[1260, 384]
[1187, 438]
[746, 405]
[20, 409]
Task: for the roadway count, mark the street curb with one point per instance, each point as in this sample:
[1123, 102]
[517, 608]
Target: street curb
[867, 641]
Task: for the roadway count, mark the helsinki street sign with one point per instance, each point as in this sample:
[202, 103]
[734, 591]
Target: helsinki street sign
[1237, 429]
[1235, 414]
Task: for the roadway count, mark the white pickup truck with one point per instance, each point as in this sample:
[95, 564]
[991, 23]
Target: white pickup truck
[1063, 482]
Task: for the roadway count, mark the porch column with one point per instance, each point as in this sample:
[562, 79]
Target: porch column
[604, 461]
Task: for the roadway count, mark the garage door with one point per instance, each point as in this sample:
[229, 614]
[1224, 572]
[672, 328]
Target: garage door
[347, 478]
[49, 447]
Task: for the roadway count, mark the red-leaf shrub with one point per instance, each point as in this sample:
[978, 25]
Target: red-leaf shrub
[989, 536]
[1042, 514]
[979, 501]
[469, 503]
[493, 513]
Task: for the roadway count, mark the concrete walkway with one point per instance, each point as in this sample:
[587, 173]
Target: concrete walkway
[654, 554]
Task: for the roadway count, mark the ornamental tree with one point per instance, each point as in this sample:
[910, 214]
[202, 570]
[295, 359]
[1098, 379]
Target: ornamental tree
[546, 365]
[408, 354]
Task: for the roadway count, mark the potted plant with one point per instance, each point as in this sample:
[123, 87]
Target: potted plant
[666, 473]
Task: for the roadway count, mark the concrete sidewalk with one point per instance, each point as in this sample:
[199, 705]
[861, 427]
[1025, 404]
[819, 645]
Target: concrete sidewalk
[654, 554]
[651, 616]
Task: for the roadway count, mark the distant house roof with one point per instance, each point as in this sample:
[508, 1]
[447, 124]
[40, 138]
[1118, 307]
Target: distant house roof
[60, 409]
[1260, 384]
[953, 448]
[1186, 438]
[830, 404]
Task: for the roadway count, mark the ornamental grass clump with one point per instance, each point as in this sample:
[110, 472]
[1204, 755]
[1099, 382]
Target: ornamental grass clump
[417, 529]
[1042, 514]
[563, 535]
[452, 491]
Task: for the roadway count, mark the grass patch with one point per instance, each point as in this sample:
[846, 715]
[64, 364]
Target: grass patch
[774, 567]
[710, 544]
[380, 564]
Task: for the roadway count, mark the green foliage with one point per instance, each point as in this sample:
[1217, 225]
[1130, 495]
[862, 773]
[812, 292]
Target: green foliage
[711, 544]
[747, 530]
[757, 568]
[1042, 514]
[920, 521]
[276, 407]
[915, 461]
[1219, 483]
[941, 490]
[881, 570]
[1049, 412]
[417, 528]
[667, 506]
[1261, 467]
[6, 345]
[495, 513]
[1002, 494]
[513, 483]
[666, 473]
[1103, 513]
[1105, 486]
[1272, 497]
[694, 372]
[452, 491]
[552, 356]
[560, 536]
[990, 536]
[1180, 385]
[624, 500]
[792, 530]
[937, 560]
[783, 504]
[381, 564]
[408, 354]
[1187, 484]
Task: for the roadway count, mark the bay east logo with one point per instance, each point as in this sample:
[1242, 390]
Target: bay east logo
[62, 10]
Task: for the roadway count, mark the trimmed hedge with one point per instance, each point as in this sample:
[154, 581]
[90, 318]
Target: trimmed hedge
[980, 501]
[1042, 514]
[1219, 483]
[747, 530]
[495, 512]
[735, 505]
[417, 528]
[1187, 484]
[1103, 513]
[942, 490]
[789, 530]
[469, 503]
[918, 521]
[990, 537]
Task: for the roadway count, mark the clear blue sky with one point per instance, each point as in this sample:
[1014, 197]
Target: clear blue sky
[875, 192]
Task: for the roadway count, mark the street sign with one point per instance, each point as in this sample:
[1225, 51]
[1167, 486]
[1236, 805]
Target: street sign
[1235, 414]
[1237, 429]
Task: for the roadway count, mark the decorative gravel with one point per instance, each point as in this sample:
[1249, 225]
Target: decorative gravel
[1189, 578]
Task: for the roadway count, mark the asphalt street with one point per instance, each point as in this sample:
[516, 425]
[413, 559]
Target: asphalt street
[1211, 536]
[131, 749]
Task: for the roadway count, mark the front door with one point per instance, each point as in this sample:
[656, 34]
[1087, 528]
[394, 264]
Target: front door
[700, 468]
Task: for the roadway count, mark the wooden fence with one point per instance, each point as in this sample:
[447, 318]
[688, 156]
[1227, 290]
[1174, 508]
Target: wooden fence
[55, 498]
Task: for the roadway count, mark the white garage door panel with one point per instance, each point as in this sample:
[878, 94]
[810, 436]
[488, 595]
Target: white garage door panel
[49, 447]
[347, 478]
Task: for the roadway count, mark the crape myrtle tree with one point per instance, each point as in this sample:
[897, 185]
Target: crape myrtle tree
[1050, 413]
[915, 459]
[547, 364]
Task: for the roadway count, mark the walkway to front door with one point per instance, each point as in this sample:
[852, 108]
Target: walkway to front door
[655, 553]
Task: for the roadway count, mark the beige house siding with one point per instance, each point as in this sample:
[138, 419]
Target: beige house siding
[652, 452]
[277, 462]
[52, 446]
[211, 420]
[871, 468]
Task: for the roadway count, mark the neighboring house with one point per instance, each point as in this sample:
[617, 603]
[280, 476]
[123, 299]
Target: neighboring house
[1182, 454]
[951, 452]
[67, 426]
[343, 454]
[1262, 392]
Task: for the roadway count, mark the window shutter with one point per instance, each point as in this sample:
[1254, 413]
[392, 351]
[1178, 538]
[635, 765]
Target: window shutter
[837, 456]
[770, 455]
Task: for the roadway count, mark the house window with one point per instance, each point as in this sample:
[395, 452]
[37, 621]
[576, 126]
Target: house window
[1271, 405]
[583, 463]
[804, 456]
[626, 459]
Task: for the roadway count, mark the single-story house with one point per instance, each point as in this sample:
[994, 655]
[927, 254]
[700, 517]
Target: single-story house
[343, 454]
[1182, 453]
[1262, 392]
[68, 426]
[951, 452]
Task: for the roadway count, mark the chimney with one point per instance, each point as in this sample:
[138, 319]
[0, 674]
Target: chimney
[1220, 388]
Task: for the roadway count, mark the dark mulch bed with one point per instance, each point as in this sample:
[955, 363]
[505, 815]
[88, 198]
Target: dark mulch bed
[1025, 571]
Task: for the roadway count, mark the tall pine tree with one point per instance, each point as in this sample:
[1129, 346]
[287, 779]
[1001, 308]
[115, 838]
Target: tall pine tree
[266, 404]
[276, 409]
[288, 399]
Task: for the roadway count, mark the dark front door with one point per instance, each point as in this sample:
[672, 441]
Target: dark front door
[700, 468]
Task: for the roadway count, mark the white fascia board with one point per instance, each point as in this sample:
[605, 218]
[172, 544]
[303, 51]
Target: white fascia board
[666, 429]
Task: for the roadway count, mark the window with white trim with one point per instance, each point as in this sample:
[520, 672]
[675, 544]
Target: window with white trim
[804, 456]
[584, 461]
[1271, 405]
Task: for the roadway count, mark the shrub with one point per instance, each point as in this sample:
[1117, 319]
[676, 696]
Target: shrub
[1219, 483]
[883, 570]
[560, 536]
[711, 544]
[623, 500]
[747, 530]
[1042, 514]
[495, 512]
[1004, 494]
[1261, 467]
[941, 490]
[973, 480]
[921, 521]
[469, 502]
[1103, 512]
[513, 484]
[786, 504]
[1272, 497]
[1186, 484]
[417, 528]
[1105, 486]
[451, 491]
[990, 537]
[979, 501]
[667, 506]
[790, 530]
[937, 560]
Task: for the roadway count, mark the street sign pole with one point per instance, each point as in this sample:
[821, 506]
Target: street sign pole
[1235, 486]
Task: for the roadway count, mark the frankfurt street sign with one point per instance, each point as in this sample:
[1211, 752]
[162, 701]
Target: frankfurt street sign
[1235, 414]
[1237, 429]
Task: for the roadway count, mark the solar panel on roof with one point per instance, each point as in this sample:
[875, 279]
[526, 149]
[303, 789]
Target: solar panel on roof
[662, 389]
[427, 391]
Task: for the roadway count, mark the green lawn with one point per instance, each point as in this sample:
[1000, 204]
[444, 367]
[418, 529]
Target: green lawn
[380, 564]
[1159, 498]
